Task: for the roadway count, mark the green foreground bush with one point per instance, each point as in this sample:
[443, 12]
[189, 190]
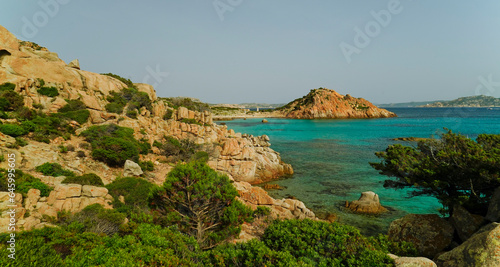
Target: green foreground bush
[53, 169]
[24, 182]
[113, 144]
[86, 179]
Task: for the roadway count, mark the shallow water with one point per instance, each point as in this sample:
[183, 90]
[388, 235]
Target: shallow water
[331, 157]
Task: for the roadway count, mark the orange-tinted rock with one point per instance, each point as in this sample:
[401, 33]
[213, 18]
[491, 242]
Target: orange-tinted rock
[328, 104]
[368, 203]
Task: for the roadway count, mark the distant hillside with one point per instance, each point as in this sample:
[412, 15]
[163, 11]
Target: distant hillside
[407, 104]
[261, 105]
[328, 104]
[469, 101]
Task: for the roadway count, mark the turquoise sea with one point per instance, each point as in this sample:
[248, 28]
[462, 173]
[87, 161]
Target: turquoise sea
[331, 157]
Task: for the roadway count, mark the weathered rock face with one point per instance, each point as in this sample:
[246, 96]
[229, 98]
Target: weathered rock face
[481, 249]
[428, 232]
[465, 223]
[282, 209]
[250, 159]
[493, 214]
[328, 104]
[64, 197]
[368, 203]
[132, 169]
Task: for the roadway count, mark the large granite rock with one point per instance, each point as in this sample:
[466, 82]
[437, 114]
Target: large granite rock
[493, 214]
[429, 233]
[368, 203]
[132, 169]
[481, 249]
[465, 223]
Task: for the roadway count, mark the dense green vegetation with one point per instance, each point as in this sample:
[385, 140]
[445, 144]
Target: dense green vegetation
[24, 182]
[113, 144]
[201, 203]
[48, 91]
[86, 179]
[189, 103]
[53, 169]
[182, 150]
[75, 110]
[131, 96]
[455, 169]
[9, 100]
[135, 192]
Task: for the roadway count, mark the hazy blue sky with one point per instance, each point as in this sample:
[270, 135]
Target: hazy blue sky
[234, 51]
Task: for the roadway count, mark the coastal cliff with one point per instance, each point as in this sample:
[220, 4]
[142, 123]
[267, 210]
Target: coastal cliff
[78, 100]
[327, 104]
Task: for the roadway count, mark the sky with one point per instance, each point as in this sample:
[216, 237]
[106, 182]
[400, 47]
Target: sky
[241, 51]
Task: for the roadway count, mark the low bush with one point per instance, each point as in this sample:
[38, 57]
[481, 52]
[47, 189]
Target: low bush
[10, 100]
[147, 165]
[86, 179]
[324, 244]
[48, 91]
[128, 82]
[73, 105]
[182, 150]
[135, 192]
[13, 130]
[7, 87]
[113, 144]
[168, 114]
[95, 218]
[24, 182]
[53, 169]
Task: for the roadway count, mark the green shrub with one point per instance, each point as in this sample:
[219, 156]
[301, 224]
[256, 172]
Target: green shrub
[131, 114]
[168, 114]
[53, 169]
[190, 121]
[13, 130]
[147, 165]
[48, 91]
[261, 211]
[402, 249]
[80, 116]
[10, 100]
[24, 182]
[7, 87]
[73, 105]
[179, 150]
[176, 102]
[135, 192]
[113, 144]
[200, 156]
[86, 179]
[325, 244]
[95, 218]
[21, 142]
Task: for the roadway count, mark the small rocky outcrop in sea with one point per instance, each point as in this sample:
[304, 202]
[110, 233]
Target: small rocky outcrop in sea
[368, 203]
[327, 104]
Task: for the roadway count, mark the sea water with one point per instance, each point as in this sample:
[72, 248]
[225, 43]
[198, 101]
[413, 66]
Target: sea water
[331, 157]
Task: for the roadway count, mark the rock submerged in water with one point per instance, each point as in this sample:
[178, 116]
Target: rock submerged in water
[368, 203]
[265, 121]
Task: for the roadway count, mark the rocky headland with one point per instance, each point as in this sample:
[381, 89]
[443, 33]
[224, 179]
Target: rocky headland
[46, 84]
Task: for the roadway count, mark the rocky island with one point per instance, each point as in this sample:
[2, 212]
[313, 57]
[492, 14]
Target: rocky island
[327, 104]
